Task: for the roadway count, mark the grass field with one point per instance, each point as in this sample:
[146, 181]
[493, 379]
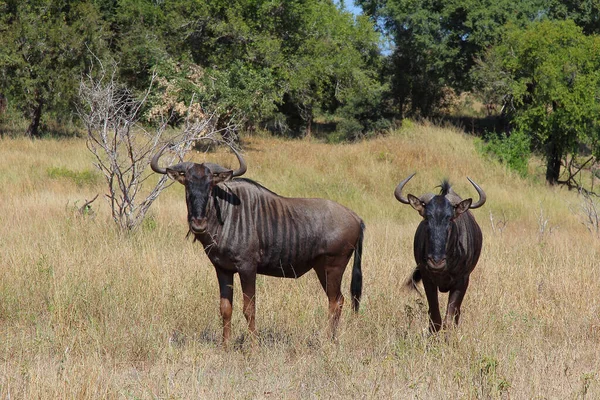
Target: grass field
[88, 313]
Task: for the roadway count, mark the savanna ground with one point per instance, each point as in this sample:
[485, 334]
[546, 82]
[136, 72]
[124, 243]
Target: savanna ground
[86, 312]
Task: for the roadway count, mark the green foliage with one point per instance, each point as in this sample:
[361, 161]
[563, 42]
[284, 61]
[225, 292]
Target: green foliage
[335, 67]
[281, 65]
[551, 73]
[583, 12]
[149, 224]
[256, 62]
[363, 110]
[243, 89]
[80, 178]
[437, 43]
[513, 150]
[44, 47]
[489, 383]
[247, 58]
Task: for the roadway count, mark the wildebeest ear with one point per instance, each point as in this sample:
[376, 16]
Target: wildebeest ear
[462, 207]
[222, 176]
[178, 176]
[416, 203]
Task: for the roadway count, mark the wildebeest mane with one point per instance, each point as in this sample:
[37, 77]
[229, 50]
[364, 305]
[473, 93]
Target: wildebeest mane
[254, 183]
[444, 187]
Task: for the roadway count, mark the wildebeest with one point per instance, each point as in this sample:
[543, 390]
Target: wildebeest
[447, 246]
[247, 229]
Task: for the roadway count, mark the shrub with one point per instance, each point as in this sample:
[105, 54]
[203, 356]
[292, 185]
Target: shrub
[512, 150]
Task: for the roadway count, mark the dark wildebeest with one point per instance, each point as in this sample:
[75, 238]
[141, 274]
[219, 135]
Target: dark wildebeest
[447, 245]
[247, 229]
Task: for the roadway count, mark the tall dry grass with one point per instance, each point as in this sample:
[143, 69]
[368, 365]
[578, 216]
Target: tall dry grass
[86, 312]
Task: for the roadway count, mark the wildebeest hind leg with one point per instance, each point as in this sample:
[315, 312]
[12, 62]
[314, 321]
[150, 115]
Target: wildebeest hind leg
[248, 282]
[226, 303]
[330, 276]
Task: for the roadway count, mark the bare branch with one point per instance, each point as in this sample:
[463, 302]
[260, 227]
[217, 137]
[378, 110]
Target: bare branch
[84, 209]
[571, 180]
[122, 147]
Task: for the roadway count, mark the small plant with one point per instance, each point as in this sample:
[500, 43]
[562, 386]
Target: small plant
[498, 226]
[86, 209]
[490, 383]
[80, 178]
[349, 129]
[586, 381]
[407, 124]
[544, 229]
[384, 156]
[589, 213]
[149, 224]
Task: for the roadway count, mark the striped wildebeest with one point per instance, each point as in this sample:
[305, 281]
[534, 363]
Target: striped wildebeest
[447, 245]
[247, 229]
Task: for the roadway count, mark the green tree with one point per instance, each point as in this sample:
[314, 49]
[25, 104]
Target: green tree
[44, 48]
[585, 13]
[333, 68]
[257, 61]
[436, 43]
[550, 71]
[139, 40]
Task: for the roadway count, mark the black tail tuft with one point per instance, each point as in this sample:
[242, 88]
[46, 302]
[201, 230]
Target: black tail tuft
[356, 282]
[412, 281]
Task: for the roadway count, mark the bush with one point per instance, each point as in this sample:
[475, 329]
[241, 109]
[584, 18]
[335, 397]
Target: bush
[349, 129]
[512, 150]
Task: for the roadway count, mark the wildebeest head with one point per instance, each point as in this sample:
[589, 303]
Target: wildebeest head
[440, 213]
[199, 180]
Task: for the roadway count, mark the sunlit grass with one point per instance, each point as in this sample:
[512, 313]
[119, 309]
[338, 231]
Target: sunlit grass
[86, 312]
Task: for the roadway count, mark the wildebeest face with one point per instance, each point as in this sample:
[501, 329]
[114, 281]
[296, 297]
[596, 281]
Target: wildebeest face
[439, 216]
[199, 181]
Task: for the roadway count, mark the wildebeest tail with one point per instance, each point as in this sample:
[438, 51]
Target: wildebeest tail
[356, 282]
[414, 278]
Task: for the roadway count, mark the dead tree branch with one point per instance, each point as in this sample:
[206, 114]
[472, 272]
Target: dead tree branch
[84, 209]
[573, 179]
[122, 147]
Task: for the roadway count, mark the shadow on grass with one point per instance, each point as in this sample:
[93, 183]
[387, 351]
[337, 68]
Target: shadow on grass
[13, 127]
[266, 338]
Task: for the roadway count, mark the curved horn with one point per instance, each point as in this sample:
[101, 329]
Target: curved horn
[242, 169]
[481, 193]
[154, 162]
[398, 191]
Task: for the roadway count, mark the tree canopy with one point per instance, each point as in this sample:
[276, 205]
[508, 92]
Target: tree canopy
[291, 66]
[266, 63]
[551, 74]
[437, 43]
[44, 47]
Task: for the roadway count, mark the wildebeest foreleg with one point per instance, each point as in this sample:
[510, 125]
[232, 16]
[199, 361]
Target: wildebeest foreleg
[248, 281]
[331, 279]
[226, 304]
[435, 318]
[455, 299]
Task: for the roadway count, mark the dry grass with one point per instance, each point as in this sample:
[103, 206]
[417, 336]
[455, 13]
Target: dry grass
[88, 313]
